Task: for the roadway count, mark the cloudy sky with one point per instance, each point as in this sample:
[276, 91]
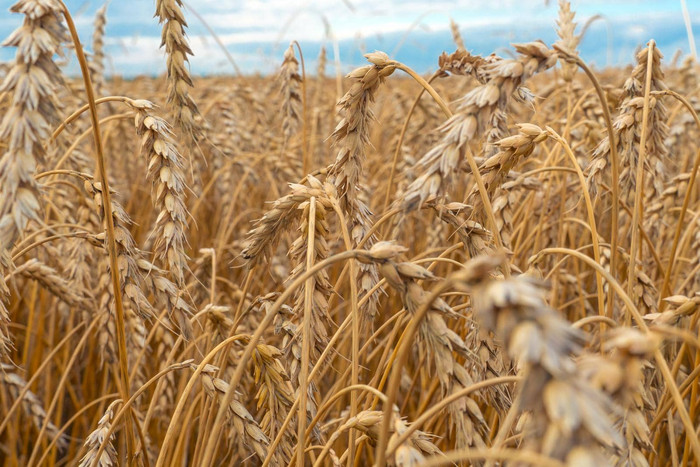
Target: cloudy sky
[255, 32]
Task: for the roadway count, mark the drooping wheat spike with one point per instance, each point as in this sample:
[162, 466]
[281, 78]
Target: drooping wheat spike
[621, 374]
[71, 293]
[437, 341]
[351, 135]
[242, 424]
[165, 172]
[472, 118]
[168, 296]
[321, 321]
[680, 307]
[660, 212]
[95, 439]
[409, 453]
[568, 39]
[127, 254]
[512, 149]
[81, 263]
[275, 397]
[290, 92]
[569, 419]
[97, 62]
[351, 138]
[32, 82]
[463, 63]
[262, 240]
[177, 48]
[506, 200]
[30, 403]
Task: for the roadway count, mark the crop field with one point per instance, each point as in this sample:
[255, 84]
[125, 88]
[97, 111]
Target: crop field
[494, 264]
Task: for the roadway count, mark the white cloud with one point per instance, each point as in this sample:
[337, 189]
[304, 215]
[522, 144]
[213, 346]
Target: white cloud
[134, 35]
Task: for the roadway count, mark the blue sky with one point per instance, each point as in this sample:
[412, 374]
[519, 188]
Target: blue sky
[256, 32]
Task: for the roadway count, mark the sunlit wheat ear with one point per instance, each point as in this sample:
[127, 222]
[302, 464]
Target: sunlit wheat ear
[660, 213]
[31, 404]
[168, 296]
[472, 118]
[97, 61]
[241, 423]
[70, 293]
[321, 321]
[127, 253]
[351, 138]
[177, 48]
[95, 439]
[290, 92]
[275, 397]
[569, 419]
[568, 39]
[658, 163]
[164, 342]
[32, 82]
[680, 307]
[437, 341]
[351, 135]
[688, 72]
[264, 237]
[320, 75]
[165, 172]
[322, 62]
[410, 453]
[463, 63]
[512, 149]
[506, 200]
[106, 329]
[5, 340]
[628, 127]
[136, 335]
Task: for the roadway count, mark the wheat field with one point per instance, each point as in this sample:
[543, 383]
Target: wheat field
[496, 264]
